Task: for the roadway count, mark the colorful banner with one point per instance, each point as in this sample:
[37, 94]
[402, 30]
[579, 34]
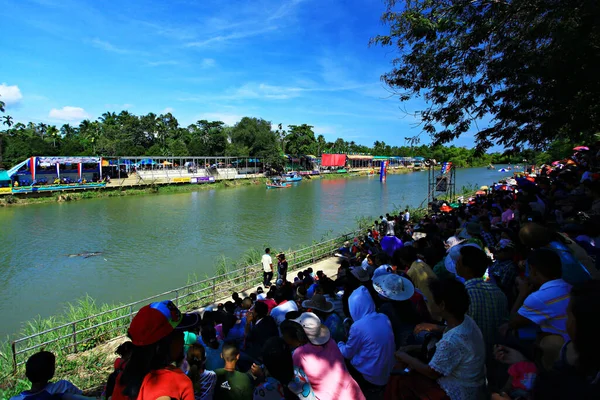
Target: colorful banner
[202, 179]
[32, 167]
[5, 190]
[69, 160]
[383, 171]
[446, 167]
[181, 180]
[333, 160]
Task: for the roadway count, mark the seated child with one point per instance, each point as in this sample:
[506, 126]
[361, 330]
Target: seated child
[39, 370]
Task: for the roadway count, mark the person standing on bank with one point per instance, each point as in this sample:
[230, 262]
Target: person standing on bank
[282, 267]
[267, 263]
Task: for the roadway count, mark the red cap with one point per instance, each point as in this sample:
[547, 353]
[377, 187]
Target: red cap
[156, 321]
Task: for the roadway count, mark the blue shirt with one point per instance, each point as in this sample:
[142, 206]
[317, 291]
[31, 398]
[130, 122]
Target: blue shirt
[573, 271]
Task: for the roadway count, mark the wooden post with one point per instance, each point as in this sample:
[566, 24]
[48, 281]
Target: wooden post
[14, 356]
[214, 290]
[74, 337]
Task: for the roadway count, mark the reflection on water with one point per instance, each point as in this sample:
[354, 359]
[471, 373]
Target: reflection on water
[153, 243]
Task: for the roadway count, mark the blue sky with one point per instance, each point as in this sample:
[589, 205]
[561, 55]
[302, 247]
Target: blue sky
[288, 61]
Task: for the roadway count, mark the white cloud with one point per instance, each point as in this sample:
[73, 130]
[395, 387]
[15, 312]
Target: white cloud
[229, 119]
[68, 113]
[232, 36]
[161, 63]
[208, 63]
[284, 10]
[10, 95]
[101, 44]
[168, 110]
[118, 107]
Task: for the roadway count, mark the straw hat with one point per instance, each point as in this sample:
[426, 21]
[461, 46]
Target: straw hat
[318, 302]
[394, 287]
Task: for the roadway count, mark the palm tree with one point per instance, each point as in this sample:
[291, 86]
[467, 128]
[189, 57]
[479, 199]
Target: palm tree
[42, 128]
[321, 143]
[2, 105]
[54, 133]
[8, 120]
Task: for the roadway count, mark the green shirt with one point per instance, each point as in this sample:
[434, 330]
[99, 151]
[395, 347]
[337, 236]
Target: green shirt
[233, 385]
[189, 338]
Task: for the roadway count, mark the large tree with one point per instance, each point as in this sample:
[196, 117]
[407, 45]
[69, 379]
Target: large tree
[530, 67]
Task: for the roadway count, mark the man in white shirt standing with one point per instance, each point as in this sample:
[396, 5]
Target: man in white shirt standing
[267, 263]
[406, 216]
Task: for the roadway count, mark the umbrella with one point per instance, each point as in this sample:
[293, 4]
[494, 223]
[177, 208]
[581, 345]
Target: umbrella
[555, 163]
[484, 188]
[581, 148]
[480, 193]
[445, 208]
[167, 163]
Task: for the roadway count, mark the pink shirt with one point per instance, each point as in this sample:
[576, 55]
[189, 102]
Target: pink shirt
[326, 371]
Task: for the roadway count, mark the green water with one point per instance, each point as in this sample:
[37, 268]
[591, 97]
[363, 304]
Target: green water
[152, 243]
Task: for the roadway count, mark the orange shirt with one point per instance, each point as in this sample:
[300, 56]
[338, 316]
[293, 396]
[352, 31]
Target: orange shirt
[170, 382]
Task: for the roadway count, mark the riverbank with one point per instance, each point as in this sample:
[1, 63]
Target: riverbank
[81, 337]
[163, 188]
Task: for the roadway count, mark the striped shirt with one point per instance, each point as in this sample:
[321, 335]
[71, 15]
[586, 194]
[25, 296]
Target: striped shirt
[488, 308]
[547, 307]
[207, 382]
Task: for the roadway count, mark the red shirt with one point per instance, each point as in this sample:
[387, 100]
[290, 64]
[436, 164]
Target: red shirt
[170, 382]
[270, 303]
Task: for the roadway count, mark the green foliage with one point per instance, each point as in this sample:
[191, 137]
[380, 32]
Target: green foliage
[526, 66]
[125, 134]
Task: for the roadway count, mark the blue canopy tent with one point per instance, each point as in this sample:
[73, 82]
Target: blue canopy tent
[146, 161]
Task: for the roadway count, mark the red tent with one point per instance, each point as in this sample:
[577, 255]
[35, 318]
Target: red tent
[333, 160]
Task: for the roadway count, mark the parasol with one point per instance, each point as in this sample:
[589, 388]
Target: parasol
[480, 193]
[581, 148]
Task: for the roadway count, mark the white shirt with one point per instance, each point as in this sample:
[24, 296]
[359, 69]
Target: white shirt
[390, 228]
[278, 313]
[406, 216]
[460, 358]
[267, 261]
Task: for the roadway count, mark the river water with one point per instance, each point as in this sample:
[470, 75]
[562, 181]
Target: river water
[152, 243]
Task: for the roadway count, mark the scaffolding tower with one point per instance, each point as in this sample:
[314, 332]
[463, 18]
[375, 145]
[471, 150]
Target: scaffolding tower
[441, 180]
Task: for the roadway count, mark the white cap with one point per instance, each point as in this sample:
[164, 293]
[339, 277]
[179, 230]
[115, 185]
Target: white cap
[317, 333]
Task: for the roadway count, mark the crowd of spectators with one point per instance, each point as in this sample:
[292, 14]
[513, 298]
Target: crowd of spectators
[494, 298]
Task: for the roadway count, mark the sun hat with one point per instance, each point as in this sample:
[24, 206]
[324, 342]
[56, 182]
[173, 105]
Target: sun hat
[394, 287]
[317, 333]
[360, 274]
[451, 242]
[318, 302]
[157, 320]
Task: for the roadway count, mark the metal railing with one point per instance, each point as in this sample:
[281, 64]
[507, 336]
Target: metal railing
[86, 333]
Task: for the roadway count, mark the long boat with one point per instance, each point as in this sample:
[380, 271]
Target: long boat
[292, 178]
[278, 186]
[52, 188]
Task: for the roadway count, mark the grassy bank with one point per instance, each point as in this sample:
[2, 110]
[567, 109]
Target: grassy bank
[59, 197]
[86, 359]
